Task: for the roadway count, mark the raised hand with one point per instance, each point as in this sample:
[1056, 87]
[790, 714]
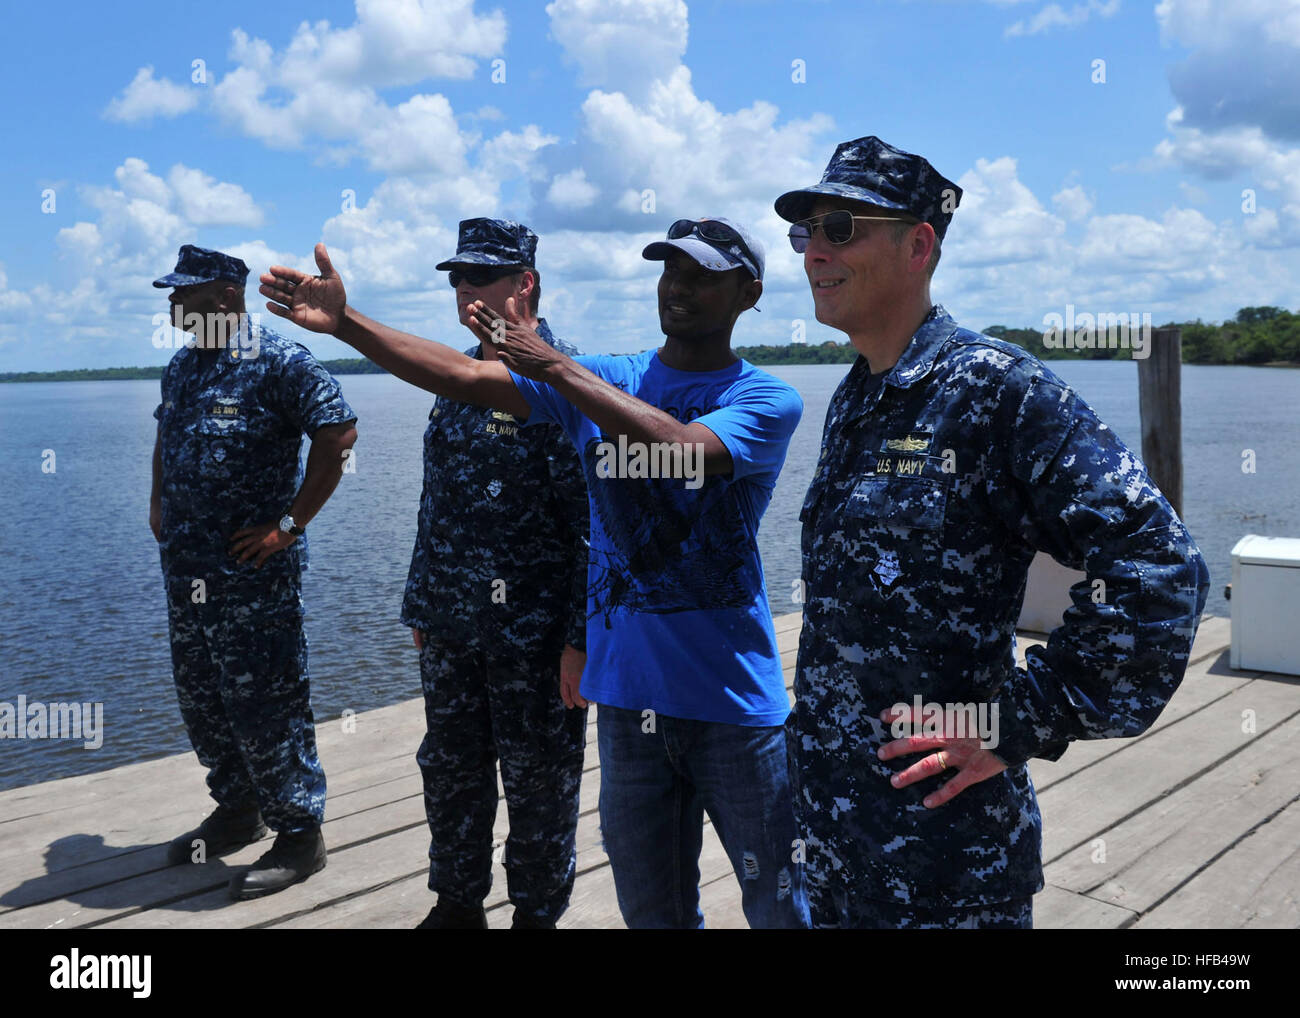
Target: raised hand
[313, 302]
[520, 348]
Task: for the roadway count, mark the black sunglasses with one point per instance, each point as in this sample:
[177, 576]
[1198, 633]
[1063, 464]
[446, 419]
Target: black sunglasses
[837, 226]
[718, 233]
[481, 276]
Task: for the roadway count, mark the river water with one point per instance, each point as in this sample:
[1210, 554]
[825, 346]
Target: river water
[82, 615]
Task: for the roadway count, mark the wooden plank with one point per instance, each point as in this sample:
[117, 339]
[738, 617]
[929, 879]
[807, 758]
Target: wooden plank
[786, 622]
[1252, 886]
[1056, 908]
[1207, 679]
[1096, 799]
[720, 900]
[151, 816]
[1197, 693]
[130, 892]
[1152, 854]
[91, 862]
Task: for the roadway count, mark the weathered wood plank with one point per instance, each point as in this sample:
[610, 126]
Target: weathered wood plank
[157, 887]
[1255, 885]
[1056, 908]
[1153, 853]
[1122, 784]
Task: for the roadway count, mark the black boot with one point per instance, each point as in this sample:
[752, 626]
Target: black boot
[292, 858]
[524, 921]
[226, 829]
[448, 915]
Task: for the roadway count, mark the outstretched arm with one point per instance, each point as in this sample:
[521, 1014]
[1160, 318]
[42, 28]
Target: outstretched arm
[319, 303]
[611, 409]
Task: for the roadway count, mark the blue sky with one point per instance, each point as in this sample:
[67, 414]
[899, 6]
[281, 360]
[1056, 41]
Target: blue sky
[1117, 195]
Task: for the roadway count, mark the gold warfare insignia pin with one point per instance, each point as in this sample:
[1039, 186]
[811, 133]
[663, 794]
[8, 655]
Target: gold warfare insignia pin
[912, 443]
[501, 415]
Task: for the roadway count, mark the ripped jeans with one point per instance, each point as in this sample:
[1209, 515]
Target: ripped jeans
[656, 786]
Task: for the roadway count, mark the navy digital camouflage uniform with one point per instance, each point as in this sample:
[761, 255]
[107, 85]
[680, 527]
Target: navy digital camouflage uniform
[230, 431]
[498, 586]
[938, 481]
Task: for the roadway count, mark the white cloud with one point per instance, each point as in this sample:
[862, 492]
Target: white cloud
[204, 201]
[135, 180]
[1072, 203]
[1178, 265]
[677, 155]
[1055, 16]
[418, 136]
[394, 42]
[1002, 222]
[324, 85]
[621, 45]
[1269, 173]
[514, 155]
[571, 190]
[392, 242]
[147, 97]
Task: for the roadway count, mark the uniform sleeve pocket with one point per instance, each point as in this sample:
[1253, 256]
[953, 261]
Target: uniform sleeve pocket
[913, 502]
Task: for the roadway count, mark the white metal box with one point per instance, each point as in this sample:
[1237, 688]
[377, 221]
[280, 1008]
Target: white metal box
[1266, 604]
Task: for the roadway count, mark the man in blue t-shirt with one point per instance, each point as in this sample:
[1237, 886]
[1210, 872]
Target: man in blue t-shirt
[681, 448]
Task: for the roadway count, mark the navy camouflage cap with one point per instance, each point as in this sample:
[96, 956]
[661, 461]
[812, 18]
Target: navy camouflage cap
[712, 249]
[196, 265]
[872, 171]
[493, 242]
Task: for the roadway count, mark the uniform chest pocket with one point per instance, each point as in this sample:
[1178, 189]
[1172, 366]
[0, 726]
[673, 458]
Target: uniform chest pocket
[909, 502]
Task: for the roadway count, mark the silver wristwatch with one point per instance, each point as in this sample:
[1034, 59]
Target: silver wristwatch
[289, 527]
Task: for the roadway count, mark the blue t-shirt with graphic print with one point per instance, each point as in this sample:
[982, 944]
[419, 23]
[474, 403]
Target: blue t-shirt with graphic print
[677, 613]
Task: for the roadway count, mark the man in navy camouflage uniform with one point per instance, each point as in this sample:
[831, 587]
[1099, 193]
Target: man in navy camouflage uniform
[496, 600]
[948, 459]
[228, 512]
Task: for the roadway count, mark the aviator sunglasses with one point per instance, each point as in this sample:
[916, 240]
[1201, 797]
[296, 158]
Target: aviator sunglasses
[837, 226]
[718, 233]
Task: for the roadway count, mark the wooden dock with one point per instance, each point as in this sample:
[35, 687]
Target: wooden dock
[1195, 824]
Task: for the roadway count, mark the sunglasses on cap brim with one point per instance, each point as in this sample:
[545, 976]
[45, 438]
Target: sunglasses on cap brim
[481, 275]
[837, 227]
[711, 230]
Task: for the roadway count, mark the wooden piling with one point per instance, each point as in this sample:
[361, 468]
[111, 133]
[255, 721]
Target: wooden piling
[1160, 404]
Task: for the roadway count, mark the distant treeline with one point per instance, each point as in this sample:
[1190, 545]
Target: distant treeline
[799, 353]
[1260, 335]
[343, 366]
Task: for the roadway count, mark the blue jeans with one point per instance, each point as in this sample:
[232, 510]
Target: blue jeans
[655, 787]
